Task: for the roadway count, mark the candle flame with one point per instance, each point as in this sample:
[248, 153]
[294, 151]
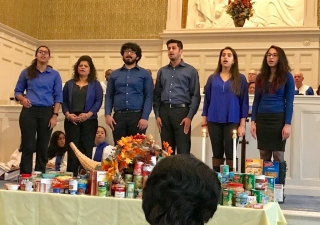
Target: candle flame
[204, 130]
[234, 131]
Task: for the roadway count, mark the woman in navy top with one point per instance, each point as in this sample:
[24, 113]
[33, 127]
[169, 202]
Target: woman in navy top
[82, 99]
[40, 109]
[225, 107]
[272, 107]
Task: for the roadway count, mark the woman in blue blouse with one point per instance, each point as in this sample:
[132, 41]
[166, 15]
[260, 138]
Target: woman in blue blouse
[40, 109]
[272, 107]
[82, 99]
[225, 107]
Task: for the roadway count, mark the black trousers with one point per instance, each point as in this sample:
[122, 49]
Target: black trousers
[35, 137]
[126, 125]
[82, 135]
[171, 130]
[221, 139]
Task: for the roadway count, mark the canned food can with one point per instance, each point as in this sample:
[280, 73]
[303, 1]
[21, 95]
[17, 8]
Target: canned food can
[138, 168]
[224, 169]
[120, 191]
[57, 190]
[73, 186]
[259, 196]
[130, 187]
[227, 197]
[102, 189]
[238, 178]
[37, 185]
[138, 180]
[128, 178]
[138, 193]
[250, 181]
[82, 186]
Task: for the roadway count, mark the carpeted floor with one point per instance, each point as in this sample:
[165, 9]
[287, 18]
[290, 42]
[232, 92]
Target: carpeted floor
[292, 202]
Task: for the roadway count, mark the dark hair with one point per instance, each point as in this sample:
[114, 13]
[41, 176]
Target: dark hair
[54, 149]
[32, 69]
[234, 70]
[280, 78]
[105, 131]
[93, 73]
[180, 190]
[179, 43]
[251, 83]
[134, 47]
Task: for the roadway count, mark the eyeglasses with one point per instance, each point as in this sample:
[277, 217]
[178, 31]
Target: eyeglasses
[129, 51]
[43, 52]
[273, 55]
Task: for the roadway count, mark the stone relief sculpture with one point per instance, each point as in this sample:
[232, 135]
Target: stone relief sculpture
[212, 14]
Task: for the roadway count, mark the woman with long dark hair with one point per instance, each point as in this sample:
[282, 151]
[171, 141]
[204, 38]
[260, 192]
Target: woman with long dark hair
[82, 99]
[273, 107]
[40, 107]
[57, 152]
[225, 107]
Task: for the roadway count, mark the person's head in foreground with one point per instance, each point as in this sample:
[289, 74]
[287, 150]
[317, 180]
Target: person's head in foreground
[181, 190]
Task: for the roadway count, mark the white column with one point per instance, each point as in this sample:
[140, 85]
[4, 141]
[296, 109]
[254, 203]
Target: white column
[310, 13]
[174, 14]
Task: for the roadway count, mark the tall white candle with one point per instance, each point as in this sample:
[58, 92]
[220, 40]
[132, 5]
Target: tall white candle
[203, 150]
[234, 136]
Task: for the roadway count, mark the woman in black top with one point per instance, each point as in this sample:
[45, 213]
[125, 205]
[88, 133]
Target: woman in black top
[82, 99]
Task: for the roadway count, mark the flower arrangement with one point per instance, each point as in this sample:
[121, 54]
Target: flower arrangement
[240, 9]
[139, 146]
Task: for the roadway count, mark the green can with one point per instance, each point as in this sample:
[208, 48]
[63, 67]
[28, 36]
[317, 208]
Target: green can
[130, 187]
[227, 197]
[250, 181]
[102, 189]
[137, 179]
[239, 178]
[128, 178]
[259, 196]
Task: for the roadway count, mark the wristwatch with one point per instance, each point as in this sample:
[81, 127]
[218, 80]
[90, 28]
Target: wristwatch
[57, 114]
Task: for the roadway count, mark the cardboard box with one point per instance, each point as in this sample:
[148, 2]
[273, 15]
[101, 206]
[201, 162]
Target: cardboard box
[278, 192]
[271, 169]
[254, 166]
[9, 175]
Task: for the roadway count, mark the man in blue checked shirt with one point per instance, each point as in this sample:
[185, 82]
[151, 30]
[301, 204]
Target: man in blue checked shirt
[130, 94]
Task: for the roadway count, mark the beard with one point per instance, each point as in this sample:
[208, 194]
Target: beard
[129, 61]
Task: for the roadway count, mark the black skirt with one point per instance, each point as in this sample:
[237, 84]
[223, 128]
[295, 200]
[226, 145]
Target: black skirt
[269, 131]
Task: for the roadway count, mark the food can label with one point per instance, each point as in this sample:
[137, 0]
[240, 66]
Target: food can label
[227, 196]
[250, 181]
[130, 187]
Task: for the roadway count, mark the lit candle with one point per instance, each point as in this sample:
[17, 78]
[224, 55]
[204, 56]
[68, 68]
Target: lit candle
[203, 152]
[234, 137]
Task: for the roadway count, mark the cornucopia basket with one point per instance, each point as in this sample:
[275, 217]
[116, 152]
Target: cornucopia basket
[86, 162]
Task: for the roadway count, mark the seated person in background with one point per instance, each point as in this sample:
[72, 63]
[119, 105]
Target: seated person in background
[14, 161]
[180, 190]
[57, 152]
[318, 90]
[251, 87]
[104, 83]
[252, 75]
[102, 149]
[301, 89]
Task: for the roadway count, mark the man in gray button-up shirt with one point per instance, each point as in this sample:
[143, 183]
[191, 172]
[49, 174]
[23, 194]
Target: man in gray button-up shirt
[176, 99]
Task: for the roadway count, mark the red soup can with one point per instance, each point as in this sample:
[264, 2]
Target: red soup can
[120, 191]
